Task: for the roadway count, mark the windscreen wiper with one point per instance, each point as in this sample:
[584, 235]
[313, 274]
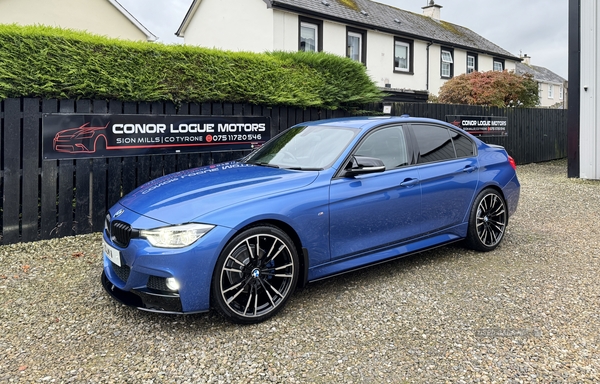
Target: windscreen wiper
[303, 169]
[263, 164]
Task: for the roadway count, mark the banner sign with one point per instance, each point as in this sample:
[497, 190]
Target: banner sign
[77, 136]
[480, 125]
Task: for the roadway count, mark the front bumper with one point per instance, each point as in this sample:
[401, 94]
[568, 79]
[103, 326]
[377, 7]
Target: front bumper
[144, 299]
[141, 279]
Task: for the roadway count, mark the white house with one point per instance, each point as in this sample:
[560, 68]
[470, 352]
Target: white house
[101, 17]
[411, 53]
[552, 88]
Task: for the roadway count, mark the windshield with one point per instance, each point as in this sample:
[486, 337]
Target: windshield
[304, 148]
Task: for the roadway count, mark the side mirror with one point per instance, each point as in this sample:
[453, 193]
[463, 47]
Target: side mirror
[362, 165]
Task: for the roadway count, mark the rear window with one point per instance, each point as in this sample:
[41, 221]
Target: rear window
[437, 143]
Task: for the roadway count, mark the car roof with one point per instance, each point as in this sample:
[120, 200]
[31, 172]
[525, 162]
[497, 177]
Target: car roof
[367, 122]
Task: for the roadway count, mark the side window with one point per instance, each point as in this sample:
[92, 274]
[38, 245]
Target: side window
[434, 143]
[356, 44]
[388, 145]
[403, 55]
[462, 144]
[471, 62]
[447, 64]
[310, 35]
[498, 65]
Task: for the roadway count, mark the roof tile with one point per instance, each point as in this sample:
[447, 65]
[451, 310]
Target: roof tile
[539, 73]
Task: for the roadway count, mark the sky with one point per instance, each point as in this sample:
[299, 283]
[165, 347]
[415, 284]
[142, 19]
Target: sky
[538, 28]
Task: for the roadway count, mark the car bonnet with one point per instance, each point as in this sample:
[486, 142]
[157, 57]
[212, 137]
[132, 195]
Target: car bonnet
[184, 196]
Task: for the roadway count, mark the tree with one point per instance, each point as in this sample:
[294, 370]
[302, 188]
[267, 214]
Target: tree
[493, 88]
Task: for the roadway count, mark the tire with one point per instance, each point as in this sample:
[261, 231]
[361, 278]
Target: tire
[249, 286]
[487, 221]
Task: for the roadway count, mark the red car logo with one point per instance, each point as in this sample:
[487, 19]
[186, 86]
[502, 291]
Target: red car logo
[457, 123]
[84, 139]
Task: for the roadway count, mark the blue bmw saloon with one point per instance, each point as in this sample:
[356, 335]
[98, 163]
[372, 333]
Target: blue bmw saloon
[321, 198]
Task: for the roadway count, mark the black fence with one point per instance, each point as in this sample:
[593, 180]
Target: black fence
[534, 134]
[56, 198]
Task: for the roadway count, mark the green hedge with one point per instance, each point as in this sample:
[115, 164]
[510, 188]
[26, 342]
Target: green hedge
[57, 63]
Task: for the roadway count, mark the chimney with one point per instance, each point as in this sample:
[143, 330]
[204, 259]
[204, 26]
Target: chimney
[526, 59]
[432, 10]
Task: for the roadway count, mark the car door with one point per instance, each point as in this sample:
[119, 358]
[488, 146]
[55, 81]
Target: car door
[448, 171]
[374, 210]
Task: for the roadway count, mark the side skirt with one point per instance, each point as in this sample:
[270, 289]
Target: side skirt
[340, 267]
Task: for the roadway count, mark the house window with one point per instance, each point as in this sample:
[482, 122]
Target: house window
[550, 91]
[561, 92]
[498, 65]
[310, 35]
[471, 62]
[540, 90]
[447, 63]
[356, 45]
[403, 52]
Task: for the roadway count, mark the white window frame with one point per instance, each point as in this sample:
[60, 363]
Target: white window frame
[360, 44]
[315, 27]
[470, 66]
[498, 66]
[551, 91]
[407, 46]
[447, 62]
[540, 91]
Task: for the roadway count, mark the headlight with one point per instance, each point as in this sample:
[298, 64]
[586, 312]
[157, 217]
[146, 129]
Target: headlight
[177, 236]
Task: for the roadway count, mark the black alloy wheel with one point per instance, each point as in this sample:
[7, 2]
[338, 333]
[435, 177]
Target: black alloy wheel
[255, 275]
[487, 221]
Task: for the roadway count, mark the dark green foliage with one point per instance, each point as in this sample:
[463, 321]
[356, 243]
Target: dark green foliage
[342, 81]
[57, 63]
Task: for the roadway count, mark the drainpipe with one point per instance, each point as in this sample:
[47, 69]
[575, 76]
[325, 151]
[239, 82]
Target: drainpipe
[427, 83]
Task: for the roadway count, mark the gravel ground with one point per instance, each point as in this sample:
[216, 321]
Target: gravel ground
[525, 313]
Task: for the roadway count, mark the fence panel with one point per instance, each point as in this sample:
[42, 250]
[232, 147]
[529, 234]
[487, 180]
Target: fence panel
[99, 181]
[30, 204]
[47, 199]
[130, 164]
[12, 164]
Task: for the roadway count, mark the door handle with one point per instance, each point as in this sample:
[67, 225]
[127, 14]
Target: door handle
[409, 182]
[469, 168]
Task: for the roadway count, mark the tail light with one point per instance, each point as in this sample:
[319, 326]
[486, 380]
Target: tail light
[512, 162]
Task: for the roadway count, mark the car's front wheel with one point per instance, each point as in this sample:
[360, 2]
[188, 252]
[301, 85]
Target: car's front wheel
[487, 221]
[255, 275]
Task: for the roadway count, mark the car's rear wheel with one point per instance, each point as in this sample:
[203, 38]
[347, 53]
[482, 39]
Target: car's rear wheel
[255, 275]
[487, 221]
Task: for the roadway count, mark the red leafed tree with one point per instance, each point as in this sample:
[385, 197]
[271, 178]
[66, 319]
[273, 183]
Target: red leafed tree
[493, 88]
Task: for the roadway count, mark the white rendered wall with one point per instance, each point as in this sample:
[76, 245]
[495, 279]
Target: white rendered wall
[485, 63]
[589, 141]
[510, 65]
[233, 25]
[99, 17]
[285, 31]
[334, 38]
[435, 71]
[460, 62]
